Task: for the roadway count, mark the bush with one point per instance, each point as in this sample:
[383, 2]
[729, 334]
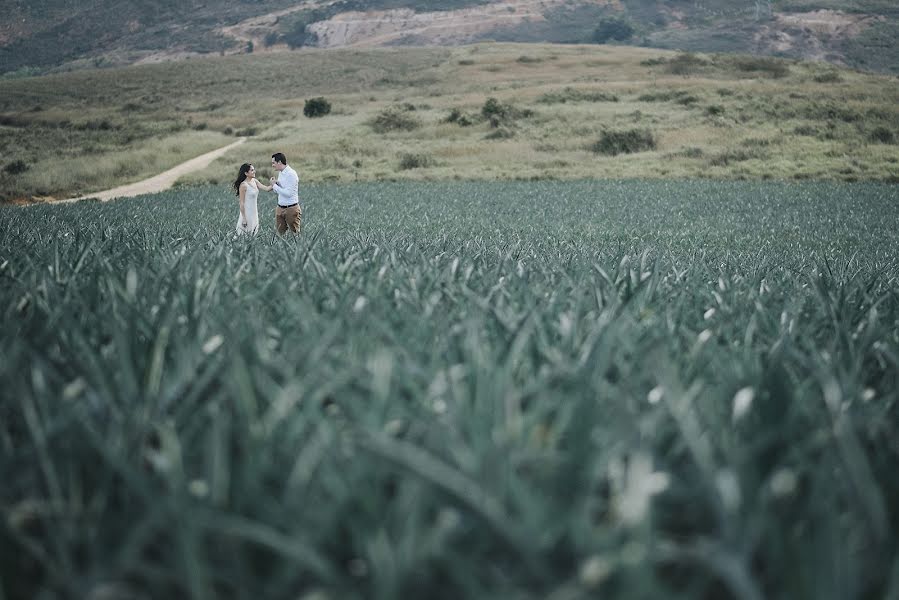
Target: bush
[272, 38]
[685, 64]
[415, 161]
[316, 107]
[769, 66]
[882, 135]
[654, 62]
[16, 167]
[679, 96]
[691, 152]
[298, 36]
[394, 119]
[613, 30]
[500, 133]
[492, 107]
[497, 113]
[613, 143]
[732, 156]
[574, 95]
[828, 77]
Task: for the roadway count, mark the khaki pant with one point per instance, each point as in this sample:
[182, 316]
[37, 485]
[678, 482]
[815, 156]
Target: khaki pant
[290, 217]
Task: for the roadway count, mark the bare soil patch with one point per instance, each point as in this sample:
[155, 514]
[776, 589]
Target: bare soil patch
[446, 28]
[812, 34]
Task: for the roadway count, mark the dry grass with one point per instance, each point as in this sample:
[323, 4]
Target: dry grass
[699, 120]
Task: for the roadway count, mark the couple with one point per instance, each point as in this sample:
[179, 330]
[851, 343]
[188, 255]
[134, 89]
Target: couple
[288, 215]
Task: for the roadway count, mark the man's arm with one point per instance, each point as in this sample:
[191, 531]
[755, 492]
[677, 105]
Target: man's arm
[288, 184]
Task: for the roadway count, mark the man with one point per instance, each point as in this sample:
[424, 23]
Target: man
[289, 214]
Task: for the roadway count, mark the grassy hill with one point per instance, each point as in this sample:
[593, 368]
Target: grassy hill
[491, 111]
[56, 34]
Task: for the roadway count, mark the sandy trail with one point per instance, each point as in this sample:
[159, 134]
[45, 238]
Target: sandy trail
[163, 181]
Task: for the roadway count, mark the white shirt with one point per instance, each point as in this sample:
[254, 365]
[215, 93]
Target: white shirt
[288, 187]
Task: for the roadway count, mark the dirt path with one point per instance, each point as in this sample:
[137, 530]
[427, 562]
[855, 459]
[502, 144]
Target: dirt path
[163, 181]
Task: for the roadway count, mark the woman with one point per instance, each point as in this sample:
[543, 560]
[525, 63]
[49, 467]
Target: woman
[247, 189]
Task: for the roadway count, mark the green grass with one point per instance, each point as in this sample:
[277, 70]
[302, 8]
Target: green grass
[454, 390]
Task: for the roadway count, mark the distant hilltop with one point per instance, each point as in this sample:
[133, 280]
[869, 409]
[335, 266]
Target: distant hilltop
[50, 35]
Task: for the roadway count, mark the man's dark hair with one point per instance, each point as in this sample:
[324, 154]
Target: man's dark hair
[279, 157]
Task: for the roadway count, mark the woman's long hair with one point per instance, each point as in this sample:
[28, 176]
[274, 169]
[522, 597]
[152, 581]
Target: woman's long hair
[241, 177]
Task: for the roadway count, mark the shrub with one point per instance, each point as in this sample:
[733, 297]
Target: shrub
[714, 110]
[629, 141]
[685, 64]
[492, 107]
[769, 66]
[654, 62]
[316, 107]
[613, 30]
[882, 135]
[16, 167]
[680, 96]
[272, 38]
[574, 95]
[500, 133]
[298, 36]
[828, 77]
[731, 156]
[394, 119]
[497, 113]
[691, 152]
[415, 161]
[756, 142]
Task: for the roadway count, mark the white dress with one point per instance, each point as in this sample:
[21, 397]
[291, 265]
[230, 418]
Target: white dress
[250, 208]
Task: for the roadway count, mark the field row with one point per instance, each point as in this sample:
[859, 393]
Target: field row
[466, 390]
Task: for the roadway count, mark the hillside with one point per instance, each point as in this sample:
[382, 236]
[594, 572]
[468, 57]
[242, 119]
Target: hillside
[48, 35]
[484, 112]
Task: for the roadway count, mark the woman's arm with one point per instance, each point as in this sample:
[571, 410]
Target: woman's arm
[263, 187]
[243, 199]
